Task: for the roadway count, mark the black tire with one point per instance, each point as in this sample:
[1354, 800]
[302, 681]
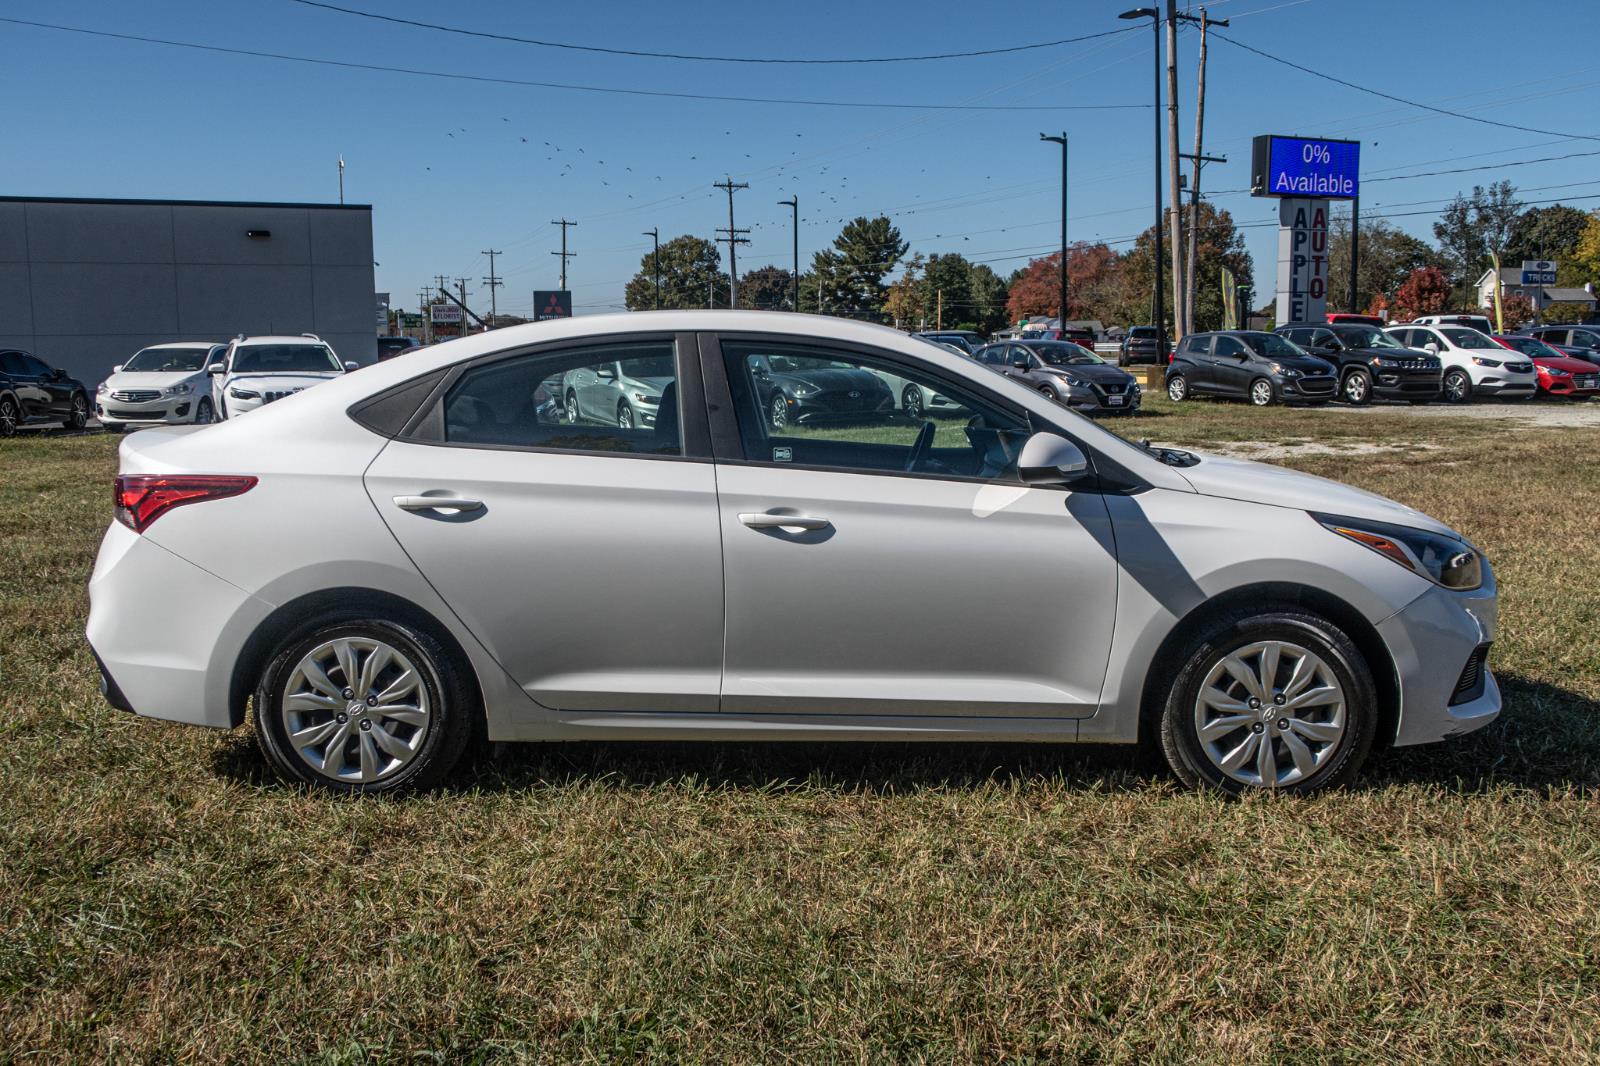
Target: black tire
[778, 411]
[1050, 394]
[203, 413]
[1260, 397]
[570, 407]
[911, 401]
[455, 720]
[1457, 387]
[78, 413]
[1122, 359]
[10, 416]
[1227, 634]
[1177, 388]
[1356, 388]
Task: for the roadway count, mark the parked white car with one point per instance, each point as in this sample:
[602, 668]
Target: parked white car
[255, 371]
[1474, 364]
[426, 552]
[161, 384]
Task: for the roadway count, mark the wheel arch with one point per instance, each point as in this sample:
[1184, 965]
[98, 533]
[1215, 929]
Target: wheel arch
[326, 605]
[1164, 665]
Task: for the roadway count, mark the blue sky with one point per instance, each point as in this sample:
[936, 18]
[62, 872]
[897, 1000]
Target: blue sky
[452, 168]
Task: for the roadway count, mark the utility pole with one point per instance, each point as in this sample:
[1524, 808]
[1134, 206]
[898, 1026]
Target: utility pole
[1062, 141]
[461, 287]
[654, 233]
[494, 282]
[564, 254]
[1175, 224]
[793, 203]
[1199, 159]
[1157, 315]
[425, 302]
[938, 312]
[734, 238]
[341, 179]
[1355, 249]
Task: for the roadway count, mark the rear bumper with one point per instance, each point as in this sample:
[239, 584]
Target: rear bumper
[165, 633]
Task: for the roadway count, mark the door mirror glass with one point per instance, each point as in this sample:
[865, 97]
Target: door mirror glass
[1019, 362]
[351, 365]
[216, 368]
[1050, 459]
[117, 369]
[605, 371]
[1431, 346]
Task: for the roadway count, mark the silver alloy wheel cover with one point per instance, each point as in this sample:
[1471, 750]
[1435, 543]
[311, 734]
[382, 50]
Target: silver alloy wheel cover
[1177, 389]
[80, 412]
[624, 417]
[911, 400]
[779, 413]
[1456, 385]
[355, 710]
[8, 417]
[1270, 714]
[1355, 386]
[1261, 393]
[572, 408]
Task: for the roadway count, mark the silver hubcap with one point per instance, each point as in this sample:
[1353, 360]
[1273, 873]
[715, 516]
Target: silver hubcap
[355, 710]
[912, 402]
[780, 412]
[1270, 714]
[1262, 393]
[625, 418]
[572, 409]
[1355, 387]
[1175, 389]
[8, 417]
[80, 412]
[1456, 386]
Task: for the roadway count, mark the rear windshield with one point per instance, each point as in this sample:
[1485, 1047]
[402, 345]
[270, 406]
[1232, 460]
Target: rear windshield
[168, 360]
[284, 359]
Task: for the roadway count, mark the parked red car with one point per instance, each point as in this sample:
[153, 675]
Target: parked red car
[1559, 374]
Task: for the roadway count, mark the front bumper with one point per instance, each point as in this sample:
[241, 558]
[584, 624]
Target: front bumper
[1406, 384]
[1314, 388]
[1499, 386]
[1572, 385]
[166, 633]
[1432, 642]
[1091, 399]
[171, 411]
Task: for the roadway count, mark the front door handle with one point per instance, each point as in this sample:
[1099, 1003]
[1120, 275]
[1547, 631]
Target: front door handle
[783, 521]
[437, 503]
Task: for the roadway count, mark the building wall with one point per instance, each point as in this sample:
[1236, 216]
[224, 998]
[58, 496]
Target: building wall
[85, 284]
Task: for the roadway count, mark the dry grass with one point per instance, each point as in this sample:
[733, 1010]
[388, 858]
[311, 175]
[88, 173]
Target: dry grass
[164, 899]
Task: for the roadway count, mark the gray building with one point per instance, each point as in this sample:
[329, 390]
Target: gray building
[86, 283]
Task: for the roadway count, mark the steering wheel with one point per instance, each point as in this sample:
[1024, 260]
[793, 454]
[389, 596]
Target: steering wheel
[923, 445]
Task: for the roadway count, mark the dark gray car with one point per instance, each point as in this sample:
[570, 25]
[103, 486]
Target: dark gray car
[1068, 373]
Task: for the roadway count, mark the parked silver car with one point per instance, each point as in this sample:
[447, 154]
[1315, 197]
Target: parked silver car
[396, 562]
[622, 392]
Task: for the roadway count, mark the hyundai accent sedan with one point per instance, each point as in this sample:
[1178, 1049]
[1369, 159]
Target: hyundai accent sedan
[384, 567]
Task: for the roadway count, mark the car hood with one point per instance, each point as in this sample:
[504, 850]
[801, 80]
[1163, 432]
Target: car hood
[1306, 364]
[282, 381]
[1100, 373]
[1571, 364]
[655, 385]
[832, 380]
[140, 379]
[1253, 482]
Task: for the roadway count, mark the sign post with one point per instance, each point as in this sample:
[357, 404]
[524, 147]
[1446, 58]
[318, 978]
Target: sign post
[1304, 174]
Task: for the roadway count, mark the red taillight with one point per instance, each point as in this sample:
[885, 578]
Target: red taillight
[142, 498]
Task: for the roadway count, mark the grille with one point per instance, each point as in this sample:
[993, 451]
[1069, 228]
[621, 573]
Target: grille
[847, 400]
[1520, 368]
[138, 416]
[1469, 686]
[1410, 364]
[1588, 382]
[136, 395]
[1315, 385]
[268, 397]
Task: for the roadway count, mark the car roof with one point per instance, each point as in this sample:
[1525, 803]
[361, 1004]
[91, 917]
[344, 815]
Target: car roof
[182, 344]
[244, 341]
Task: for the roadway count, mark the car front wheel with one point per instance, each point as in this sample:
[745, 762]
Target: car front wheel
[364, 705]
[203, 415]
[911, 401]
[1457, 386]
[78, 414]
[778, 411]
[1270, 699]
[1261, 394]
[1357, 387]
[624, 416]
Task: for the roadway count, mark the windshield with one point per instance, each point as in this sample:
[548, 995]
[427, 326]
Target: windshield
[1531, 346]
[1142, 331]
[284, 359]
[1064, 353]
[1365, 337]
[1468, 338]
[168, 360]
[789, 364]
[1270, 345]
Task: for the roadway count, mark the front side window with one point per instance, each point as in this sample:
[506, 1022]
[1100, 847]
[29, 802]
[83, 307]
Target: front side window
[284, 359]
[167, 360]
[1229, 346]
[622, 400]
[811, 406]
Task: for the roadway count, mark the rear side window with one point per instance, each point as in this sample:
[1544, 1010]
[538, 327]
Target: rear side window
[621, 400]
[1196, 345]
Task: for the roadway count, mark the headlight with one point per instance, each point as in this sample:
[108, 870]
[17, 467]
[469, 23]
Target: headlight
[1482, 361]
[243, 394]
[178, 390]
[653, 401]
[101, 389]
[802, 390]
[1446, 560]
[1556, 372]
[1285, 371]
[1075, 382]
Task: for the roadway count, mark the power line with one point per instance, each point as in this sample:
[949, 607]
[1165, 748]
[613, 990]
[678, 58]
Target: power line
[612, 90]
[514, 39]
[1403, 100]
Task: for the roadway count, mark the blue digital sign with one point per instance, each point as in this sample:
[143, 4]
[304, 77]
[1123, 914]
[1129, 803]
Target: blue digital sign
[1305, 166]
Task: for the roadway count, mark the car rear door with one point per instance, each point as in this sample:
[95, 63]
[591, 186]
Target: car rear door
[586, 558]
[1202, 372]
[1231, 364]
[856, 586]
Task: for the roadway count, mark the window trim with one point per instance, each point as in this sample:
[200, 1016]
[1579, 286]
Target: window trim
[692, 428]
[728, 444]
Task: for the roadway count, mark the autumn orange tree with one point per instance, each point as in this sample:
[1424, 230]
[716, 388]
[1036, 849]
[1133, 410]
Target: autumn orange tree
[1424, 292]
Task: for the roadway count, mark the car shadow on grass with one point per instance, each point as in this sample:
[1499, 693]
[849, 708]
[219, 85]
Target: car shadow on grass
[1547, 740]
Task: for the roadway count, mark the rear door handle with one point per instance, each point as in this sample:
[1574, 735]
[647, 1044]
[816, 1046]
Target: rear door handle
[437, 503]
[783, 521]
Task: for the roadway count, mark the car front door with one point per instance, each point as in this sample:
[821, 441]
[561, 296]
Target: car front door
[898, 567]
[586, 558]
[57, 387]
[32, 394]
[1230, 363]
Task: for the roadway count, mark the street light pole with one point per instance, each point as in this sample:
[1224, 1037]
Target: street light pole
[654, 233]
[1157, 312]
[1062, 141]
[793, 203]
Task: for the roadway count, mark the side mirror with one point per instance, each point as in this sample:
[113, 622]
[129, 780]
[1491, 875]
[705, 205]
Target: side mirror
[216, 368]
[351, 364]
[1050, 459]
[1333, 345]
[1431, 346]
[117, 369]
[605, 373]
[1019, 363]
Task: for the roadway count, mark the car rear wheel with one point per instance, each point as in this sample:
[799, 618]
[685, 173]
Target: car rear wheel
[1357, 388]
[364, 705]
[1270, 699]
[911, 401]
[1177, 388]
[1261, 392]
[1457, 386]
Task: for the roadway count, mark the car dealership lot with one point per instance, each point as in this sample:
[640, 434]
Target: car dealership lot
[169, 899]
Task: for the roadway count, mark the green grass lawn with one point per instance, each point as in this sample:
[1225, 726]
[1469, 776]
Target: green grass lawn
[165, 899]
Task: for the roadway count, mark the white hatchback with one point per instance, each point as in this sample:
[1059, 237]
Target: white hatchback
[396, 562]
[1474, 363]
